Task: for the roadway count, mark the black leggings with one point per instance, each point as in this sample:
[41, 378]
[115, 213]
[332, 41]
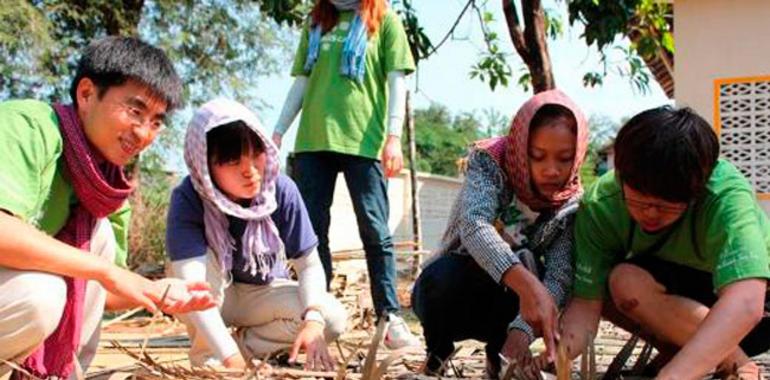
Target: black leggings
[455, 300]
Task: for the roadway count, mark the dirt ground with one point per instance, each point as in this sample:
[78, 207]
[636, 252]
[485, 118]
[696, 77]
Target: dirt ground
[165, 343]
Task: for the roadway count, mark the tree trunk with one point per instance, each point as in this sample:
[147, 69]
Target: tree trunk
[531, 43]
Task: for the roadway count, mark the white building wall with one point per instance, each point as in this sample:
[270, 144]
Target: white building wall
[436, 193]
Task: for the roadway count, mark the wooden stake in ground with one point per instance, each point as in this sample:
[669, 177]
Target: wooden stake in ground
[563, 364]
[416, 220]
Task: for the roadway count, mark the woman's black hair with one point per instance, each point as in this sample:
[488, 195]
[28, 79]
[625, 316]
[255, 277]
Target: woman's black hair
[549, 113]
[667, 153]
[228, 142]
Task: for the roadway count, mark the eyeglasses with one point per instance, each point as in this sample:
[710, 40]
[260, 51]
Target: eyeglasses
[663, 209]
[139, 118]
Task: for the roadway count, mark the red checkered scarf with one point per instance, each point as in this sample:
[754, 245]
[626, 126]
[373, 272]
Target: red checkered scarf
[511, 152]
[101, 189]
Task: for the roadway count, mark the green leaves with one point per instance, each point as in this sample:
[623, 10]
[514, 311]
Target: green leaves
[593, 79]
[647, 23]
[492, 66]
[419, 43]
[554, 26]
[220, 47]
[668, 41]
[288, 12]
[443, 139]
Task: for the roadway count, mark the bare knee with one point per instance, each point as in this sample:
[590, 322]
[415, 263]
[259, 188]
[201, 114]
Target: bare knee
[628, 284]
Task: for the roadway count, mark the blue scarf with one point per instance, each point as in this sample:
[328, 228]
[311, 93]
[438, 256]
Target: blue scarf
[353, 51]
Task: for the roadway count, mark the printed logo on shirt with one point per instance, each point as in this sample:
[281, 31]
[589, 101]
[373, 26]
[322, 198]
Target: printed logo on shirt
[512, 223]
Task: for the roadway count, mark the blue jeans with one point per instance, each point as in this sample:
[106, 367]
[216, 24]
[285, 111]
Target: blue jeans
[456, 300]
[315, 174]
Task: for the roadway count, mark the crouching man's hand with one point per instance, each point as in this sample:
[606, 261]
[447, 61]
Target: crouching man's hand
[182, 296]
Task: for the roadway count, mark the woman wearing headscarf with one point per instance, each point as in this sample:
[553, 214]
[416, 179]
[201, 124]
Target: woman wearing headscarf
[236, 222]
[504, 265]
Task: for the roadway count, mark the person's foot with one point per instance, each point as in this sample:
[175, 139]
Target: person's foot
[398, 334]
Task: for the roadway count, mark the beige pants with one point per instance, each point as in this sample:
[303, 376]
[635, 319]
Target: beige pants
[31, 304]
[267, 317]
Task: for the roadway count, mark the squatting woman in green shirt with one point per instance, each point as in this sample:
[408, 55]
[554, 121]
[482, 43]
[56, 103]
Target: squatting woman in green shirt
[349, 70]
[676, 240]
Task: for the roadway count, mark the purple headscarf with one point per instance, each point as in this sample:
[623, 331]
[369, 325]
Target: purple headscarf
[262, 246]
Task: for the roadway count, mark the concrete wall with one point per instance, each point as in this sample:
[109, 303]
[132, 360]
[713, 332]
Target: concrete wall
[718, 40]
[436, 195]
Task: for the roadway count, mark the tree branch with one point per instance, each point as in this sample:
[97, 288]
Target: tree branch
[514, 30]
[535, 38]
[451, 30]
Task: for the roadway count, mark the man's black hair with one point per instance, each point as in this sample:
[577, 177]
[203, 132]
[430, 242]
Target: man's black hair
[111, 61]
[228, 142]
[666, 152]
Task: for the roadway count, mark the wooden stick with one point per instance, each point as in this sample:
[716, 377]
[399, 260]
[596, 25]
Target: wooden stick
[155, 317]
[123, 316]
[19, 368]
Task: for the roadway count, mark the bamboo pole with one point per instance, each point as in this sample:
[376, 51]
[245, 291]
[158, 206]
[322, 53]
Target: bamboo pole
[412, 156]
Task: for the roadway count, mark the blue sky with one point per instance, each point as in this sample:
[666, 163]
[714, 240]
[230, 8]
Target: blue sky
[444, 79]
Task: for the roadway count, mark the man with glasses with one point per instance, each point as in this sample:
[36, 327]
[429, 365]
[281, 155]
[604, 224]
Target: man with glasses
[675, 241]
[63, 209]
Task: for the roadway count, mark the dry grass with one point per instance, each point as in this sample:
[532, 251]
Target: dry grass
[359, 351]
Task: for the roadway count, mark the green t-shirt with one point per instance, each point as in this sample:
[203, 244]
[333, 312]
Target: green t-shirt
[731, 230]
[338, 113]
[32, 184]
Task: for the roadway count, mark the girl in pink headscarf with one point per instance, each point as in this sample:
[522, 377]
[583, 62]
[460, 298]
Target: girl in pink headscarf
[504, 267]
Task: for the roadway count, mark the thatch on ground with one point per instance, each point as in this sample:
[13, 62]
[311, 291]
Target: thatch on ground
[151, 348]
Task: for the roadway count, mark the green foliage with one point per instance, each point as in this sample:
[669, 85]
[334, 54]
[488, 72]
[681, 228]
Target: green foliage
[649, 23]
[492, 66]
[588, 175]
[602, 134]
[554, 26]
[289, 12]
[635, 71]
[219, 47]
[419, 43]
[443, 139]
[593, 79]
[525, 79]
[149, 204]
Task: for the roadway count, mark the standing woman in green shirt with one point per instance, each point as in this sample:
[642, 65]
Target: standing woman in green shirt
[675, 240]
[349, 69]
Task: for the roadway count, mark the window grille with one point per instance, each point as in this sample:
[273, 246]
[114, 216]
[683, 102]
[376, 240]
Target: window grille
[742, 122]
